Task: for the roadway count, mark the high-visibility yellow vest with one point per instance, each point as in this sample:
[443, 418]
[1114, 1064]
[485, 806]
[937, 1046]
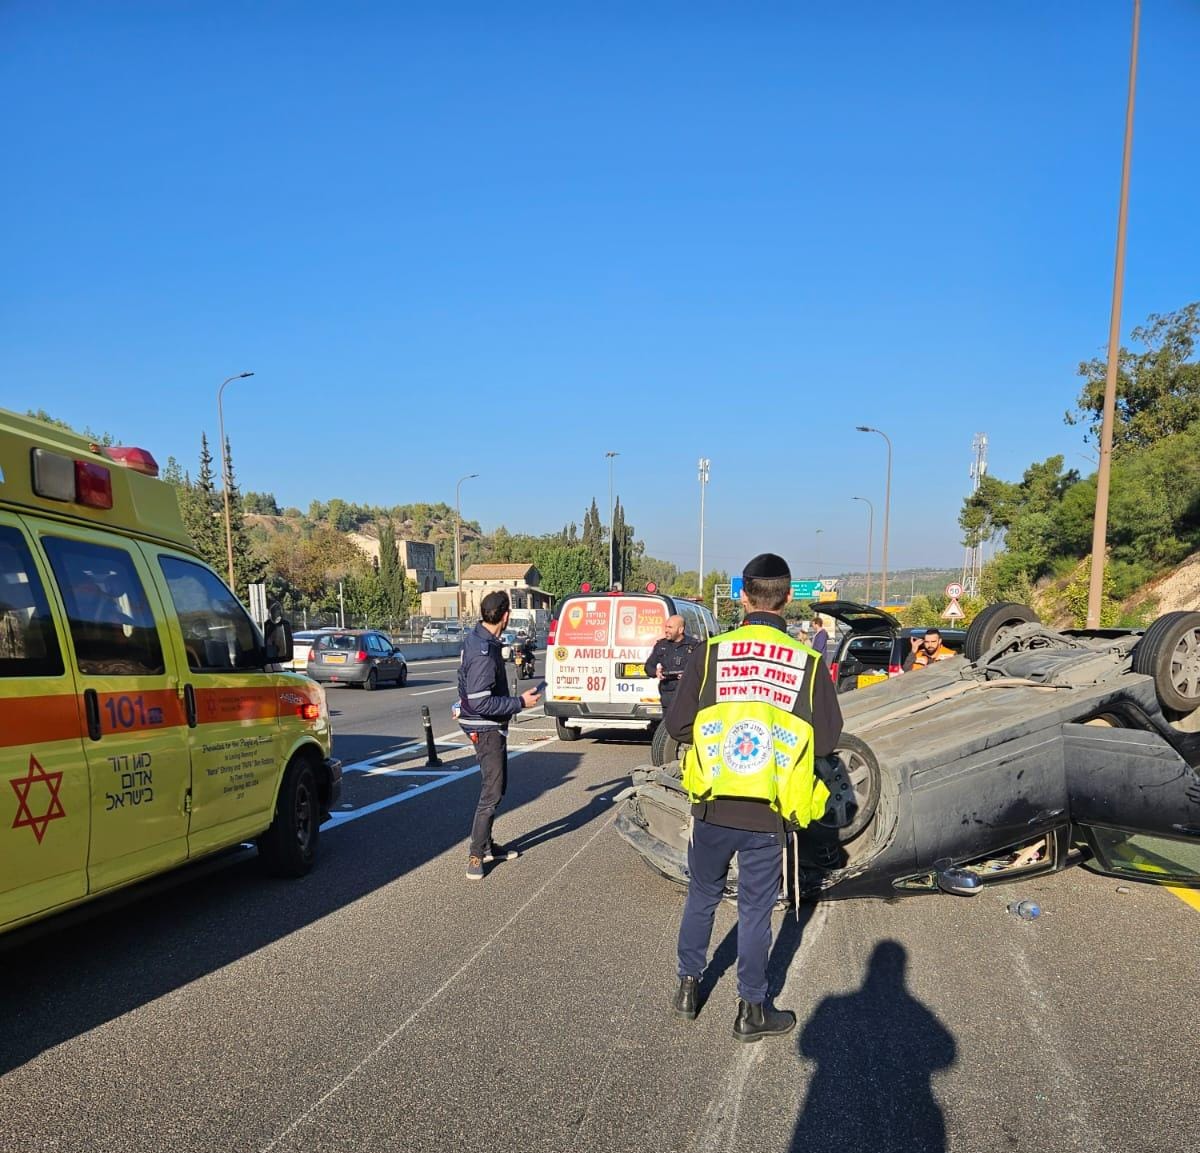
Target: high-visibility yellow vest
[753, 735]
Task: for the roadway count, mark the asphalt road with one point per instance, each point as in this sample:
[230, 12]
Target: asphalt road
[386, 1003]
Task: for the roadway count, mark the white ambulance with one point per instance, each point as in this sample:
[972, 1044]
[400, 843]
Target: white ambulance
[595, 658]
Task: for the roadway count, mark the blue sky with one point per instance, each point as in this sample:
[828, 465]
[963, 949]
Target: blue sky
[507, 238]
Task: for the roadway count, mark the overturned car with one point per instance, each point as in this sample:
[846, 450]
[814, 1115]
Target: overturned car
[1034, 750]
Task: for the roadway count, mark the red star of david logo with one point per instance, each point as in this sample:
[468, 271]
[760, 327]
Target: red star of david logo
[747, 746]
[22, 786]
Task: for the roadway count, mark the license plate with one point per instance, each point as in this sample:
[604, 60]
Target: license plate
[865, 679]
[632, 671]
[335, 658]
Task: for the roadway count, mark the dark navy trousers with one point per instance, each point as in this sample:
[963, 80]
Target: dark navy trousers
[760, 866]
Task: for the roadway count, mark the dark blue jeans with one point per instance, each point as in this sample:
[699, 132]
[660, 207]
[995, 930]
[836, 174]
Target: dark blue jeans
[760, 867]
[491, 746]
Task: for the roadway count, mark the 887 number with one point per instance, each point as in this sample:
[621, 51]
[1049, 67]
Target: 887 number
[596, 684]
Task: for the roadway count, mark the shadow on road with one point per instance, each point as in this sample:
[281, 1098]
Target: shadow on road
[876, 1051]
[597, 806]
[75, 973]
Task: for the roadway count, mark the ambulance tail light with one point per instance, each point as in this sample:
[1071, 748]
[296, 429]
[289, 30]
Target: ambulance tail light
[553, 630]
[309, 712]
[93, 484]
[134, 459]
[58, 477]
[360, 656]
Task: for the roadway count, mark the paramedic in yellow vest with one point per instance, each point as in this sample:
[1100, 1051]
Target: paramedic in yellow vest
[755, 706]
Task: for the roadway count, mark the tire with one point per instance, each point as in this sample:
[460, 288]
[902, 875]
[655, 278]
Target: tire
[372, 681]
[987, 626]
[289, 847]
[565, 732]
[862, 767]
[402, 679]
[1169, 651]
[664, 748]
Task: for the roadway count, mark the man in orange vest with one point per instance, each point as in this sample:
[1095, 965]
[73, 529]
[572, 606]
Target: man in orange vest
[931, 649]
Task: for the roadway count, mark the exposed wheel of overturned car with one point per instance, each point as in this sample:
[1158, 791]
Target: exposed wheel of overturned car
[566, 732]
[664, 748]
[850, 814]
[1169, 651]
[986, 628]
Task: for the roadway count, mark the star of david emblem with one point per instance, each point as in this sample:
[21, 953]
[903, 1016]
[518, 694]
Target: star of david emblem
[22, 787]
[747, 746]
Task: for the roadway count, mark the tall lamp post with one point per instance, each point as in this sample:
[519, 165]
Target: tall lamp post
[1100, 524]
[609, 456]
[458, 605]
[225, 473]
[817, 546]
[887, 510]
[870, 535]
[703, 466]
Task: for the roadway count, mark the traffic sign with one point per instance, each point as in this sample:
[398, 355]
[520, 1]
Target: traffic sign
[953, 610]
[801, 590]
[954, 591]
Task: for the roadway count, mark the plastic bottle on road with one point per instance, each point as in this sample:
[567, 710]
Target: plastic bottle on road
[1026, 910]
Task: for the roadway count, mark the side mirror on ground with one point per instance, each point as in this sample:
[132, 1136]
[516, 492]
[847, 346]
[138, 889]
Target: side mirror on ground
[960, 882]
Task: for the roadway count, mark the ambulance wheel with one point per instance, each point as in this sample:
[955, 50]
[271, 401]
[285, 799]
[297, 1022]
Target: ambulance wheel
[664, 748]
[565, 732]
[289, 847]
[372, 681]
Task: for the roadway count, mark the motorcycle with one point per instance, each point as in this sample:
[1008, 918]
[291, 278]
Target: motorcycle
[523, 659]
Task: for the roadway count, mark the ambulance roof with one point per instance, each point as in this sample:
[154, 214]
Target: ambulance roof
[141, 505]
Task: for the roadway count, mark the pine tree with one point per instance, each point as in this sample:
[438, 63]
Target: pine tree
[198, 506]
[247, 568]
[391, 577]
[593, 531]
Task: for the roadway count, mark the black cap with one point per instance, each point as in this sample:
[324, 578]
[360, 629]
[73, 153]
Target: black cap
[766, 566]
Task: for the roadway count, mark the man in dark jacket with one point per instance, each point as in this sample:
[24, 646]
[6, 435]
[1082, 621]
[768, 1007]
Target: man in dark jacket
[484, 711]
[668, 657]
[751, 827]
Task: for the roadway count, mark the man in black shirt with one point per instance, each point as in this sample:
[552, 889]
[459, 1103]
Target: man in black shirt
[669, 656]
[736, 740]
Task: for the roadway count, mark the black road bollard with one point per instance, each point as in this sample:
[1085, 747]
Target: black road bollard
[427, 724]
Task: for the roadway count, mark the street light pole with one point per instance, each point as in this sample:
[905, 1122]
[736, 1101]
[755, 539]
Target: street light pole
[225, 473]
[887, 511]
[817, 546]
[870, 535]
[704, 466]
[611, 515]
[458, 605]
[1100, 524]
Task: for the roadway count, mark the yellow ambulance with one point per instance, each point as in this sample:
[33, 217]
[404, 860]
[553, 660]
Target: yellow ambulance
[144, 722]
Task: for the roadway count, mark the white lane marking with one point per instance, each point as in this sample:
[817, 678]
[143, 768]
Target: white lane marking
[343, 818]
[719, 1126]
[386, 1042]
[439, 689]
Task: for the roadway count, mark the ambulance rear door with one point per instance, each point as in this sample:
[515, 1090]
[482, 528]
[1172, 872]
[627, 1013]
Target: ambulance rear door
[44, 813]
[639, 622]
[131, 702]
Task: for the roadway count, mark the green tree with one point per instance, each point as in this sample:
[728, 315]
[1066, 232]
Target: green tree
[198, 505]
[248, 567]
[261, 502]
[392, 580]
[1157, 390]
[593, 537]
[565, 569]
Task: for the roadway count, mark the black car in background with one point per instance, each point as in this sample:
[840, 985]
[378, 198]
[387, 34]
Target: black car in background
[356, 657]
[873, 645]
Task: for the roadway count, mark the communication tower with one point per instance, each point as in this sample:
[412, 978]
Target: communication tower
[973, 561]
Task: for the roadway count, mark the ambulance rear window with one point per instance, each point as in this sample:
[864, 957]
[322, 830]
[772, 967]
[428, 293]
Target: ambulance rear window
[28, 644]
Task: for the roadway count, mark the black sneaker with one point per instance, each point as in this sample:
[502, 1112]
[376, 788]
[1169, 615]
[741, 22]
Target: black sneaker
[500, 853]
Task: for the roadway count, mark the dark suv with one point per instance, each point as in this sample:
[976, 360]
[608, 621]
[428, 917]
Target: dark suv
[873, 645]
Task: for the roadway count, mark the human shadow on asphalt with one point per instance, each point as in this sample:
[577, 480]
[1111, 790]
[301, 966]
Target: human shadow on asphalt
[597, 806]
[876, 1051]
[120, 953]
